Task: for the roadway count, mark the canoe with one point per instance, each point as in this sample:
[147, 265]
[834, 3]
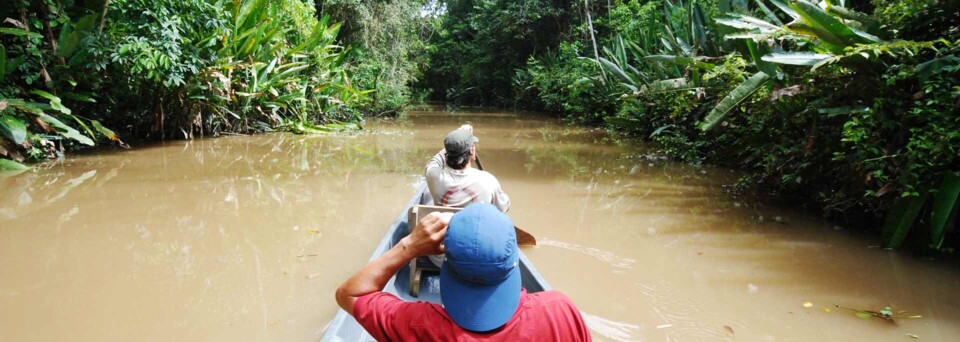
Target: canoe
[344, 328]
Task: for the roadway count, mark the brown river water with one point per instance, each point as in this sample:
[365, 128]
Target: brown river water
[246, 237]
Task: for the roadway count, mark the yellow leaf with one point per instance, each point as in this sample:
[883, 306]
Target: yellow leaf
[807, 304]
[826, 310]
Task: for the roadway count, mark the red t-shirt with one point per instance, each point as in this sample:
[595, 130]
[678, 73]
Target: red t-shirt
[542, 316]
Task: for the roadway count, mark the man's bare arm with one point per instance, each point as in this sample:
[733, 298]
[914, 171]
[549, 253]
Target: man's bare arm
[425, 239]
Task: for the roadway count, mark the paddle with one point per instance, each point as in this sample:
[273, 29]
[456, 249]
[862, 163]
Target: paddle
[523, 238]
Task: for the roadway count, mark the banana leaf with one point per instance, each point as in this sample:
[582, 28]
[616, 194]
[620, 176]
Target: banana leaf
[786, 9]
[944, 209]
[741, 21]
[827, 27]
[757, 55]
[852, 15]
[769, 14]
[901, 218]
[740, 93]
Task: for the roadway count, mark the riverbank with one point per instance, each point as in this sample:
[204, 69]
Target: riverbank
[857, 117]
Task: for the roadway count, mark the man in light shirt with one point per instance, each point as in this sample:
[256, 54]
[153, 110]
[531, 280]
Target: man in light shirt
[452, 179]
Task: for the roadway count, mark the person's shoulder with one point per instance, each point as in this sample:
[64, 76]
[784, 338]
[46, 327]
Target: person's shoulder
[387, 301]
[548, 298]
[485, 174]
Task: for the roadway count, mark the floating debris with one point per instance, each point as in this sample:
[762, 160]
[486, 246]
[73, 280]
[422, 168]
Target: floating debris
[885, 313]
[728, 329]
[664, 326]
[807, 304]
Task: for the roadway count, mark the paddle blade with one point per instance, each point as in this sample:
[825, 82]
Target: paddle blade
[524, 239]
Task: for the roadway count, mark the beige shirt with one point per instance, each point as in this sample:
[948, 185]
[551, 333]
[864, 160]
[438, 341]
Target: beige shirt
[459, 188]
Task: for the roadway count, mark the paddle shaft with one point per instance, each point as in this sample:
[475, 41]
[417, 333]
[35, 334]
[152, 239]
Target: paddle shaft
[523, 238]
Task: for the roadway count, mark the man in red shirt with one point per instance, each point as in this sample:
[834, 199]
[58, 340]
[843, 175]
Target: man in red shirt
[479, 287]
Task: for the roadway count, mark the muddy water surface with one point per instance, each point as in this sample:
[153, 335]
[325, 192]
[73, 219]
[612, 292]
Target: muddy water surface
[245, 238]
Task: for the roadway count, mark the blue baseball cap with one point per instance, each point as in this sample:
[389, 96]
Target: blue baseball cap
[480, 278]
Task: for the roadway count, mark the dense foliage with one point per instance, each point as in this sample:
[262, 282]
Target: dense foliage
[851, 105]
[165, 68]
[478, 44]
[387, 52]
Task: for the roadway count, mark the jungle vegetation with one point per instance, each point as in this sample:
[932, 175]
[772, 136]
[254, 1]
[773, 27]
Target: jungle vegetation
[77, 72]
[849, 106]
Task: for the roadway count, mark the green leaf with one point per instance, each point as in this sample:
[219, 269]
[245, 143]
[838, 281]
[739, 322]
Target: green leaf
[845, 110]
[863, 315]
[900, 219]
[796, 58]
[757, 55]
[86, 23]
[766, 11]
[849, 14]
[55, 101]
[747, 22]
[66, 131]
[616, 70]
[19, 32]
[827, 27]
[672, 59]
[740, 93]
[944, 208]
[67, 41]
[79, 97]
[9, 165]
[29, 107]
[85, 127]
[3, 63]
[13, 128]
[108, 133]
[786, 9]
[927, 69]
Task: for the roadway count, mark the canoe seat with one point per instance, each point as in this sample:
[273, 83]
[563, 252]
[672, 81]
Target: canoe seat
[423, 264]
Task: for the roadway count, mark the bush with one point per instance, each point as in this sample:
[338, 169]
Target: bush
[849, 117]
[156, 69]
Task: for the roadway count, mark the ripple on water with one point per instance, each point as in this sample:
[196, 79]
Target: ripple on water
[602, 255]
[682, 318]
[617, 331]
